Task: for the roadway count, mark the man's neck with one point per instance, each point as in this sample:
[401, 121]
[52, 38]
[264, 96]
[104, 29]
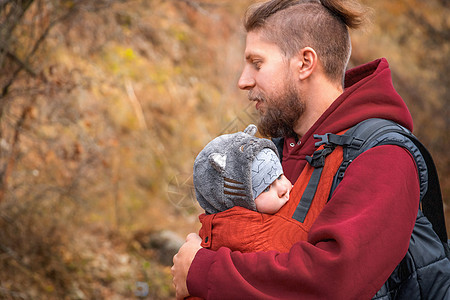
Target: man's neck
[318, 98]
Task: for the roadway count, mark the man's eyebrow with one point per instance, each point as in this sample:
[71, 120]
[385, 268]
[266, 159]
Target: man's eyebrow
[250, 56]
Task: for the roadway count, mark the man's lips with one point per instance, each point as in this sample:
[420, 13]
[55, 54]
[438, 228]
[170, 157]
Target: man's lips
[258, 101]
[257, 98]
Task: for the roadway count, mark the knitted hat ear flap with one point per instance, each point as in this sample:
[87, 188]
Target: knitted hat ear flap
[208, 184]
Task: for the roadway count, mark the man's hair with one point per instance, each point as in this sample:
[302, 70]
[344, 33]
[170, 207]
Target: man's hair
[320, 24]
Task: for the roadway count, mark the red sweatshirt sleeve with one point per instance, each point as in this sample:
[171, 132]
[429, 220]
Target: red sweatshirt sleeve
[352, 248]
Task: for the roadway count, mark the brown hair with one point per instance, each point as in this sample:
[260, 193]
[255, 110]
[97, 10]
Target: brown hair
[322, 25]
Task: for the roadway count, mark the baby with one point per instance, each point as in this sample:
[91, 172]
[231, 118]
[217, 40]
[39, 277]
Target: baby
[240, 170]
[239, 182]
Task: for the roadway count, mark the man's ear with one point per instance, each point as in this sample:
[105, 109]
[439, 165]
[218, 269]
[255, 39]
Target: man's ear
[307, 62]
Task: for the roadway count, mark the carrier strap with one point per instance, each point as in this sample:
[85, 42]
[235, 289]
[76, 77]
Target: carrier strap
[317, 160]
[308, 195]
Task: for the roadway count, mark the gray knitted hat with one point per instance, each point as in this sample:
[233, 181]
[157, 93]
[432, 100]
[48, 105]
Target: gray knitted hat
[223, 170]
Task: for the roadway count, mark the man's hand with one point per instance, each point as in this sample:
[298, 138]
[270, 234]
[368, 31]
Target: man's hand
[182, 262]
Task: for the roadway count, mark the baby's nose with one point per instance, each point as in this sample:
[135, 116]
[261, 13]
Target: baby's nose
[282, 189]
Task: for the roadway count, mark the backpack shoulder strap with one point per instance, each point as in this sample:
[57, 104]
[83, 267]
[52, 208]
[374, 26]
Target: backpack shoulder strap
[432, 203]
[376, 132]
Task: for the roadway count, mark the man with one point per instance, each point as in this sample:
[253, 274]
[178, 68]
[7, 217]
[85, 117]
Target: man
[295, 60]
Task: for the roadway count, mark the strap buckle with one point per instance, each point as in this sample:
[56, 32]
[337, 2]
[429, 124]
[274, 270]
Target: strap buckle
[317, 160]
[324, 139]
[331, 139]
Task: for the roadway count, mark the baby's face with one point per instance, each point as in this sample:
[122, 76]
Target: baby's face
[274, 196]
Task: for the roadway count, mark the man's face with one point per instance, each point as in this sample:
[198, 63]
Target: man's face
[267, 77]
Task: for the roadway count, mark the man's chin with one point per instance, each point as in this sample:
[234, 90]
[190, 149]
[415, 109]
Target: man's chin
[275, 131]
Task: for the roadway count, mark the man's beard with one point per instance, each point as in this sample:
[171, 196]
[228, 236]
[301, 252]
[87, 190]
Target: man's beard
[281, 113]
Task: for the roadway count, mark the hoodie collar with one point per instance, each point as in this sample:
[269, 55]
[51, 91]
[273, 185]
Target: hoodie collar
[368, 93]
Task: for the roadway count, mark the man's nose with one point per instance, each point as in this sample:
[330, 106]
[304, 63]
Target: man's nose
[246, 81]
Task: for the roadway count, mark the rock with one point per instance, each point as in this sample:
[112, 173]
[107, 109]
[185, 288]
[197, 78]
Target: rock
[166, 244]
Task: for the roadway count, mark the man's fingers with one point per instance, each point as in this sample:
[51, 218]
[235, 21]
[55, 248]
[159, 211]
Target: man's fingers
[182, 262]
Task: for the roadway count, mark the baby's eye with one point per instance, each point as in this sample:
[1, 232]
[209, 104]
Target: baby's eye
[266, 189]
[279, 177]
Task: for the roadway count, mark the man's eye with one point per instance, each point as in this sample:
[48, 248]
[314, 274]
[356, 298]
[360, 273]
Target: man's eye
[257, 64]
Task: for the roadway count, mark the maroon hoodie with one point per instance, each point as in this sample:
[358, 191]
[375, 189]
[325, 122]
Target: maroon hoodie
[362, 233]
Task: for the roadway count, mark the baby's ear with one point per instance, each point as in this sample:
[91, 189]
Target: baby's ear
[218, 161]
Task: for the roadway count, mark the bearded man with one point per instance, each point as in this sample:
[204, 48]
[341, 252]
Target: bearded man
[295, 60]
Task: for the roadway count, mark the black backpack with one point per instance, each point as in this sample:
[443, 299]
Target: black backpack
[425, 270]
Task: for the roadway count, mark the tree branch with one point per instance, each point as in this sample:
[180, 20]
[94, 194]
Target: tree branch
[19, 62]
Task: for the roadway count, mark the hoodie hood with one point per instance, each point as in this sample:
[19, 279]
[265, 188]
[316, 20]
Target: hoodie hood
[368, 93]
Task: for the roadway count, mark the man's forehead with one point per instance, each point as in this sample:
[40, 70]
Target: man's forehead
[256, 45]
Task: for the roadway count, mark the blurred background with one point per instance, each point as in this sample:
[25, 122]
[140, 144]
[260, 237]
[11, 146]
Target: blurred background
[104, 106]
